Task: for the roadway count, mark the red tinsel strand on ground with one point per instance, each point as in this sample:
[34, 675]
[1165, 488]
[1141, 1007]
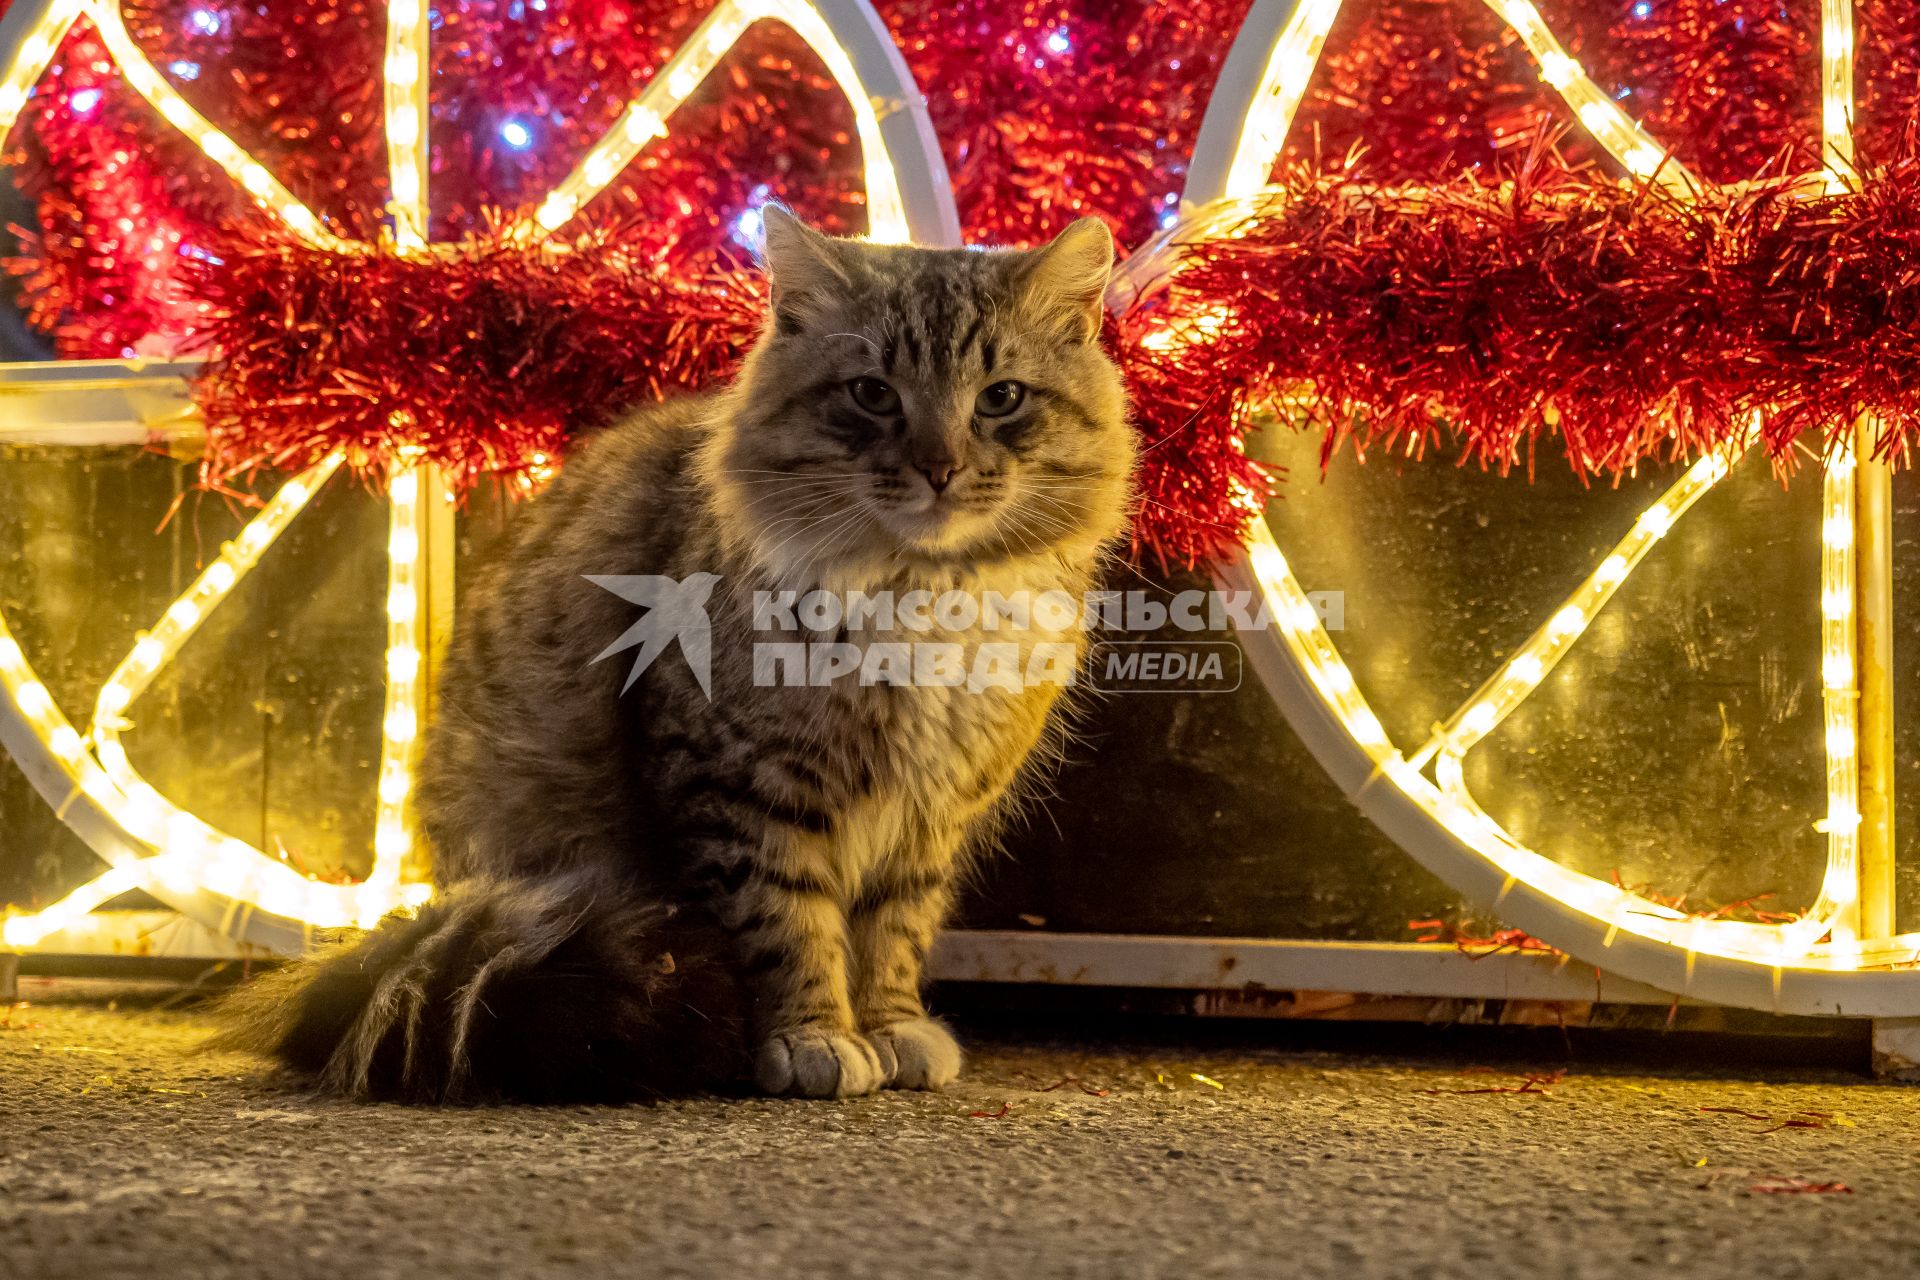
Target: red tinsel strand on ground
[487, 358]
[1634, 326]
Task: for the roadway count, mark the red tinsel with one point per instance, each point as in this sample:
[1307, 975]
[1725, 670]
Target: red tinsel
[1472, 312]
[1634, 325]
[483, 359]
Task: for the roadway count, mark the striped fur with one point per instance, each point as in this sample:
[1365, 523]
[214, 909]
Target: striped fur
[806, 838]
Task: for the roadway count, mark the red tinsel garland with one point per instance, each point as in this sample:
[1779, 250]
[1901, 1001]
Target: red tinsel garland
[1470, 312]
[486, 358]
[1634, 325]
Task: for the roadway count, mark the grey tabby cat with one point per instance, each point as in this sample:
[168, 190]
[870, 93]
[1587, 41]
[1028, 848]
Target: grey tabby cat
[670, 886]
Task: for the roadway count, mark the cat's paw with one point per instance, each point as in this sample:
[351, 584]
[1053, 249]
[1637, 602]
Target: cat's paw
[818, 1062]
[923, 1052]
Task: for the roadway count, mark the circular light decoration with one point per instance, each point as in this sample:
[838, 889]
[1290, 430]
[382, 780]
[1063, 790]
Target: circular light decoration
[156, 845]
[1842, 957]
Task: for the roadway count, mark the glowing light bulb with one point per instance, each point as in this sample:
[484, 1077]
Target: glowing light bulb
[1558, 70]
[33, 699]
[401, 725]
[555, 211]
[1366, 727]
[643, 124]
[403, 663]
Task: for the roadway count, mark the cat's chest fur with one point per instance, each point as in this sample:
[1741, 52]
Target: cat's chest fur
[932, 754]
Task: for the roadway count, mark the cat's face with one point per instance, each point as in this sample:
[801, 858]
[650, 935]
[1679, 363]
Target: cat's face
[929, 405]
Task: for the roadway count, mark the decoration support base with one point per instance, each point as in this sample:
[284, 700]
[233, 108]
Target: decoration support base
[1896, 1049]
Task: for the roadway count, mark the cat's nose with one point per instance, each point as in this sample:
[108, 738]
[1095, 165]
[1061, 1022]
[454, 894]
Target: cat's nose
[939, 474]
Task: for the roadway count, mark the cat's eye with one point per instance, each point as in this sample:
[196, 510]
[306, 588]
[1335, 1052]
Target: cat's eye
[874, 395]
[1000, 399]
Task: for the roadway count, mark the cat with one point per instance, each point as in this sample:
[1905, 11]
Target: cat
[713, 875]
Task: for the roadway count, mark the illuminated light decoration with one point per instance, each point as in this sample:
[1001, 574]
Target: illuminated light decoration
[194, 848]
[405, 80]
[1828, 961]
[40, 27]
[891, 217]
[252, 176]
[89, 780]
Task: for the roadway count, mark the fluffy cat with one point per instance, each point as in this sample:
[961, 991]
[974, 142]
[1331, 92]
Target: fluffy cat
[666, 887]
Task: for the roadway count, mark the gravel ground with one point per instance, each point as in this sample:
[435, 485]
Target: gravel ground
[124, 1155]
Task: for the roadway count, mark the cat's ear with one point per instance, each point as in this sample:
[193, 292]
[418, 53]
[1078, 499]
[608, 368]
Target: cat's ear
[806, 268]
[1065, 283]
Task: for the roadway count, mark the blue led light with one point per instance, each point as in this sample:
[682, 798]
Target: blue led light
[1058, 41]
[185, 70]
[83, 101]
[204, 21]
[1643, 10]
[516, 135]
[749, 227]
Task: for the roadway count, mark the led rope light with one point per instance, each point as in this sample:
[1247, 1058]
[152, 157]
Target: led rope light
[405, 97]
[1524, 671]
[254, 178]
[1447, 803]
[1840, 698]
[1283, 83]
[1616, 131]
[28, 931]
[407, 641]
[1280, 79]
[195, 850]
[1836, 93]
[30, 60]
[645, 118]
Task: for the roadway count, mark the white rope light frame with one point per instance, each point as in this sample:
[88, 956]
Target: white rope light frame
[1780, 967]
[155, 844]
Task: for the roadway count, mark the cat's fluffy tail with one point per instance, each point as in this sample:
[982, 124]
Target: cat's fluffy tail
[562, 989]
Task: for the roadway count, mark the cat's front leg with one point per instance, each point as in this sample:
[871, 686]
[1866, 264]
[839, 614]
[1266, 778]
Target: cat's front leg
[892, 924]
[790, 938]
